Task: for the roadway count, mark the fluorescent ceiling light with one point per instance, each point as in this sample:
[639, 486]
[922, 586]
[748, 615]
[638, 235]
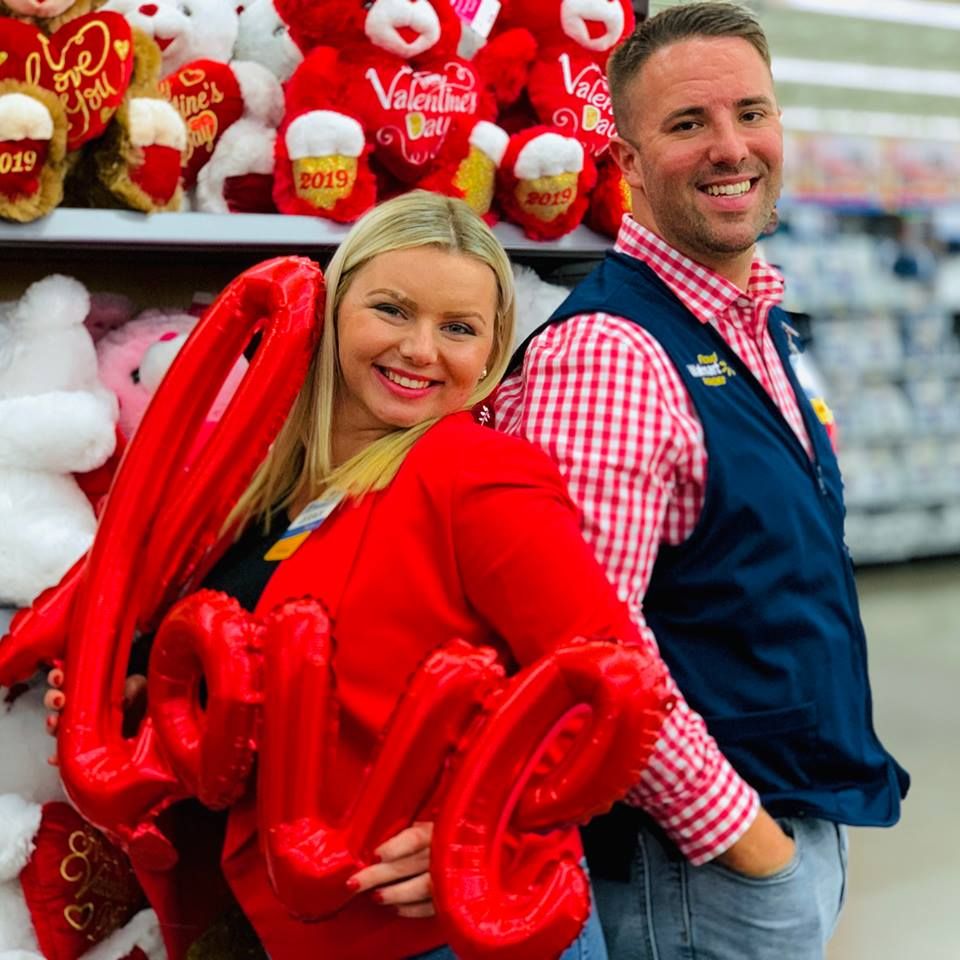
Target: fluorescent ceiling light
[923, 13]
[866, 76]
[872, 123]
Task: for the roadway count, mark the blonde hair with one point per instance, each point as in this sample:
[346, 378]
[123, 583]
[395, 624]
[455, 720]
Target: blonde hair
[300, 462]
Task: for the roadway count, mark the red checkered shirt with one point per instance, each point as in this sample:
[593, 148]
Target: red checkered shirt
[600, 395]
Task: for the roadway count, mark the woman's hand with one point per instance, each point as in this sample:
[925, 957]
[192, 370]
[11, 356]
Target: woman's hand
[402, 877]
[134, 703]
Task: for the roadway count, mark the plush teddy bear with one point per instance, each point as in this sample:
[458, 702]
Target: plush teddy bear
[382, 103]
[55, 418]
[122, 140]
[566, 89]
[231, 107]
[133, 358]
[65, 891]
[264, 37]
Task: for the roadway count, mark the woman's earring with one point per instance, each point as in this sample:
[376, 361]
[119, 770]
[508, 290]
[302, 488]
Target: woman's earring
[483, 374]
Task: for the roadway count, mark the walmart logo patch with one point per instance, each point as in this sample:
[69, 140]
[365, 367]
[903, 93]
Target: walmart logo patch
[711, 370]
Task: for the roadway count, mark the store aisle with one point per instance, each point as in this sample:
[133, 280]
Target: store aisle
[904, 901]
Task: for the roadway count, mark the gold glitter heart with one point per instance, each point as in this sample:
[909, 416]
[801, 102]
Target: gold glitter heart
[122, 47]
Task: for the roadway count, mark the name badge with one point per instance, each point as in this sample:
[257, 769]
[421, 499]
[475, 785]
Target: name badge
[303, 524]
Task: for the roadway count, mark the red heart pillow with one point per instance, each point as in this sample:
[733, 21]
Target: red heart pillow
[78, 886]
[88, 63]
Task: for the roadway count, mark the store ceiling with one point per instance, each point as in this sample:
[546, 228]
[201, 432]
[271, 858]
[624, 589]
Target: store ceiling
[911, 86]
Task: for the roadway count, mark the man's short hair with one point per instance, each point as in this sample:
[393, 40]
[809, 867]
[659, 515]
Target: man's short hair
[686, 21]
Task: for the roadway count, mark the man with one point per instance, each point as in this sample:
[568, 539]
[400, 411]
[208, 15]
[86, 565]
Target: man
[664, 389]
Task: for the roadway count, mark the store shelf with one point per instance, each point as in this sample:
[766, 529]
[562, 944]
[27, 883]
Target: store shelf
[75, 229]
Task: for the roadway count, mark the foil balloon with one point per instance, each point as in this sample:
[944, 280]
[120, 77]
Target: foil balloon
[310, 851]
[132, 571]
[502, 799]
[210, 746]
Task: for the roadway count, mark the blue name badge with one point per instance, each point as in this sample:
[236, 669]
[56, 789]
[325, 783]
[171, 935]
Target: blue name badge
[303, 524]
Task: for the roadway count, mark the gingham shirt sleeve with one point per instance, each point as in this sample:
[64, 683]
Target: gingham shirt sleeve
[600, 397]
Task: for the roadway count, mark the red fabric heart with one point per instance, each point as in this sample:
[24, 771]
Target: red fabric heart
[159, 174]
[208, 97]
[21, 163]
[571, 93]
[88, 62]
[78, 886]
[416, 112]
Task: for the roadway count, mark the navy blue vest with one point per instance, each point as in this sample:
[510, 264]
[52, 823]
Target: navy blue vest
[756, 612]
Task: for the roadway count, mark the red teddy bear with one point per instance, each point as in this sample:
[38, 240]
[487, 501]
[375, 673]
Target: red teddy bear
[383, 104]
[566, 88]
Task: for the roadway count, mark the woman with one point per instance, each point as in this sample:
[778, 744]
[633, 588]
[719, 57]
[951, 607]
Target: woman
[435, 527]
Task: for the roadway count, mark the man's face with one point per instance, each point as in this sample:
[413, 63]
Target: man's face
[704, 151]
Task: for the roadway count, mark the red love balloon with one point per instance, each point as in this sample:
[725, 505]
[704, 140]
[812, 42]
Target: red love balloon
[616, 699]
[147, 542]
[310, 850]
[208, 636]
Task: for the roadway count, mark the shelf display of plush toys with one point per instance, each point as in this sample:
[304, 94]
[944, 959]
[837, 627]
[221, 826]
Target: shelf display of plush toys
[81, 113]
[311, 109]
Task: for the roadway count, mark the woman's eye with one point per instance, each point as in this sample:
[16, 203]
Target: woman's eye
[460, 328]
[390, 309]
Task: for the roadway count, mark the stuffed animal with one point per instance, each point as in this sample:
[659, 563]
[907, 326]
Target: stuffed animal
[264, 37]
[65, 891]
[566, 89]
[231, 108]
[55, 418]
[133, 358]
[382, 104]
[184, 30]
[122, 142]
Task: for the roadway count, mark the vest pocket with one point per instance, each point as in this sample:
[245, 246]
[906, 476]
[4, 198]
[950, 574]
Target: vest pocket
[773, 750]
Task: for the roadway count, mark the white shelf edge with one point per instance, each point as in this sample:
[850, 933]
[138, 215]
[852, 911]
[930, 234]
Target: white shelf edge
[78, 228]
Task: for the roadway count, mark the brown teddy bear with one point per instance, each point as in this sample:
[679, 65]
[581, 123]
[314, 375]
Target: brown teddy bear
[113, 140]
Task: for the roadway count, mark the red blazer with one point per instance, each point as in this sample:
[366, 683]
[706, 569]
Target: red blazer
[474, 538]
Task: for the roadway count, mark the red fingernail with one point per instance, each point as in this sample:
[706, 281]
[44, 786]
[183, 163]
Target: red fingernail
[377, 896]
[353, 884]
[51, 722]
[57, 700]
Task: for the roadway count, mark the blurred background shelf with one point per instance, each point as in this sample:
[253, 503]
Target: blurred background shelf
[77, 230]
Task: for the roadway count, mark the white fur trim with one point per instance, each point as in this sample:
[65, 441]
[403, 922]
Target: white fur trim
[156, 122]
[386, 17]
[142, 931]
[610, 14]
[245, 147]
[548, 155]
[23, 118]
[323, 133]
[19, 823]
[490, 139]
[261, 91]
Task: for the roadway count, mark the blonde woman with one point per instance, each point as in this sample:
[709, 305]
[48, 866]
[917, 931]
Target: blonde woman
[434, 527]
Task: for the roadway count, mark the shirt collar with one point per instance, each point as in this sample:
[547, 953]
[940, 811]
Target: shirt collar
[701, 290]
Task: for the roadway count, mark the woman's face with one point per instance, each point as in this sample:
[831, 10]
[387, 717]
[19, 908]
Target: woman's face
[415, 330]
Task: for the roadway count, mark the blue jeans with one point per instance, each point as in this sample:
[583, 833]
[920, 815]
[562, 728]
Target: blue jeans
[588, 946]
[671, 910]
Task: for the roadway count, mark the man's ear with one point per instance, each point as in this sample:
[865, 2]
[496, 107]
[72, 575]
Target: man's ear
[627, 158]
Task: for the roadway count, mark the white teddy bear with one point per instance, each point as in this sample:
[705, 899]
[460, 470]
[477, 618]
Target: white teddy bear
[263, 37]
[55, 419]
[27, 782]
